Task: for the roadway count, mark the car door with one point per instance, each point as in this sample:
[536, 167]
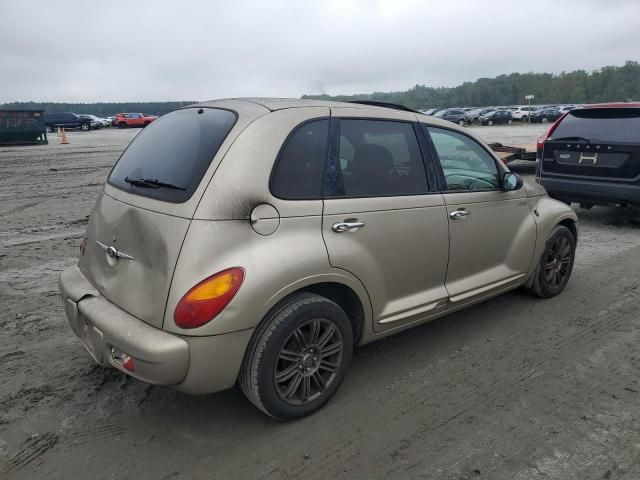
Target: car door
[380, 220]
[69, 120]
[492, 232]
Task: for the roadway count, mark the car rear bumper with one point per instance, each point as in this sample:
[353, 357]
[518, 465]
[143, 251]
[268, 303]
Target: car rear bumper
[587, 191]
[191, 364]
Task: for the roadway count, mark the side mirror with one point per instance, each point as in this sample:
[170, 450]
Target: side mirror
[511, 181]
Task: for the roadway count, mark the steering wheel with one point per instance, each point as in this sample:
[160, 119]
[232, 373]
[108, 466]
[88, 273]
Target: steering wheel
[465, 182]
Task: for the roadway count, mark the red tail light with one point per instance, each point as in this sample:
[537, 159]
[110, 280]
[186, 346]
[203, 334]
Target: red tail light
[208, 298]
[547, 134]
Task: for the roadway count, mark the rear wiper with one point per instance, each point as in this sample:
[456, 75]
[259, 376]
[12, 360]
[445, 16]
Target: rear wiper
[151, 183]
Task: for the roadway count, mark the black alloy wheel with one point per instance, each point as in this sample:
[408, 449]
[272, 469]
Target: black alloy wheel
[308, 361]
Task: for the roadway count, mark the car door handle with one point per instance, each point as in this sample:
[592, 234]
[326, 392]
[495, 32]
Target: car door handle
[458, 214]
[341, 227]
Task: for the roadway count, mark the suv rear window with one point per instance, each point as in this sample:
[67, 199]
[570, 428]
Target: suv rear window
[175, 150]
[601, 125]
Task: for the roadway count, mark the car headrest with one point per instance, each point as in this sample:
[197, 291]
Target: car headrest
[371, 160]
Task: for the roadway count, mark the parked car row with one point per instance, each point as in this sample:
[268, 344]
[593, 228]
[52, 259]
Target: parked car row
[501, 114]
[86, 122]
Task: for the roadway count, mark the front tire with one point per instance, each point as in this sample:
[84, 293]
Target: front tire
[556, 263]
[461, 123]
[490, 123]
[297, 357]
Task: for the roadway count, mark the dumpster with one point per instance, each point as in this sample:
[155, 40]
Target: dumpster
[22, 127]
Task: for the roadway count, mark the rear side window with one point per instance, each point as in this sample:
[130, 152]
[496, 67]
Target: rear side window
[377, 158]
[601, 125]
[299, 169]
[168, 159]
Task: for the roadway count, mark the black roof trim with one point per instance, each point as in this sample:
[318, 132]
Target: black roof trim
[393, 106]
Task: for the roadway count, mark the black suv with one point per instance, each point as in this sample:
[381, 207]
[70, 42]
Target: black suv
[455, 115]
[545, 115]
[496, 117]
[66, 120]
[592, 156]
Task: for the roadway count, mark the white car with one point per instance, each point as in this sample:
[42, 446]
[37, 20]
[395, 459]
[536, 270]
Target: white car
[522, 112]
[566, 108]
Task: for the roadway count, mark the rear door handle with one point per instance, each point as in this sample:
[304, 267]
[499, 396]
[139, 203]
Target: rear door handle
[458, 214]
[341, 227]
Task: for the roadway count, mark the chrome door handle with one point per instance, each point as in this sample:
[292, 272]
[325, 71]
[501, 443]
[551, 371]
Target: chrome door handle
[458, 214]
[340, 227]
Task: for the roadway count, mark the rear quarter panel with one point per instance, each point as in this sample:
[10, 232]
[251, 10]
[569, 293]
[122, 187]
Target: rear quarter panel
[275, 266]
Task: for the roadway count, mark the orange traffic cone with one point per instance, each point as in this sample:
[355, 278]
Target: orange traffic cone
[64, 140]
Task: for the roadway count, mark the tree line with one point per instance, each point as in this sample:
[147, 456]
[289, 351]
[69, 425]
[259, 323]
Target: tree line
[607, 84]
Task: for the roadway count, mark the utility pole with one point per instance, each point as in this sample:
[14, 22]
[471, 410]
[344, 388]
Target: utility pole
[529, 98]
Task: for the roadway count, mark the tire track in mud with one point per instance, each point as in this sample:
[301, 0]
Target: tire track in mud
[102, 432]
[29, 453]
[505, 391]
[466, 413]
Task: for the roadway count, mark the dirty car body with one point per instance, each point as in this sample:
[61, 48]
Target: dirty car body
[268, 237]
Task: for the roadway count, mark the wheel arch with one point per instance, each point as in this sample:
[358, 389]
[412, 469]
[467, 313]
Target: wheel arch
[345, 291]
[347, 299]
[571, 224]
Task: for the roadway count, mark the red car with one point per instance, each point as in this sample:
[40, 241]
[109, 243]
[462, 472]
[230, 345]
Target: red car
[124, 120]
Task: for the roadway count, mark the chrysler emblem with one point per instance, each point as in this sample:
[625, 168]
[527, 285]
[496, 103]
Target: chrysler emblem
[113, 253]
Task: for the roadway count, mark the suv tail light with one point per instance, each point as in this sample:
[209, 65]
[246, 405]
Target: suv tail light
[547, 134]
[208, 298]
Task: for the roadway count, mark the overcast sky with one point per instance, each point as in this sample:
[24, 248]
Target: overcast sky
[143, 50]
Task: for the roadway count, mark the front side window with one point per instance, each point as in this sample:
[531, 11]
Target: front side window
[299, 169]
[465, 163]
[376, 158]
[168, 159]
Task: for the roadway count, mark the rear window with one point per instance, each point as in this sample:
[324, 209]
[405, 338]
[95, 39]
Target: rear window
[168, 159]
[601, 124]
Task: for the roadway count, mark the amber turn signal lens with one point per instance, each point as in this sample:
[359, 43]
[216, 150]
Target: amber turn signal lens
[208, 298]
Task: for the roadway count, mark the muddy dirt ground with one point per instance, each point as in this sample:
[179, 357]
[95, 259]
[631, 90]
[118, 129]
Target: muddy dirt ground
[515, 388]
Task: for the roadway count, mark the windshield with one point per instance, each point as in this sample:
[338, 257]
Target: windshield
[601, 124]
[168, 159]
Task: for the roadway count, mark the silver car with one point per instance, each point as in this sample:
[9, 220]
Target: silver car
[258, 241]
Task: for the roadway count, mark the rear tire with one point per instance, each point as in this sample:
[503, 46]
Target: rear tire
[85, 127]
[461, 123]
[122, 125]
[490, 123]
[544, 120]
[556, 263]
[298, 356]
[509, 122]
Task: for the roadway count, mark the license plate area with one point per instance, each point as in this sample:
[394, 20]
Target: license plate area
[590, 159]
[92, 339]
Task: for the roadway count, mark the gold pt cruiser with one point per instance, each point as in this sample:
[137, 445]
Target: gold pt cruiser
[258, 241]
